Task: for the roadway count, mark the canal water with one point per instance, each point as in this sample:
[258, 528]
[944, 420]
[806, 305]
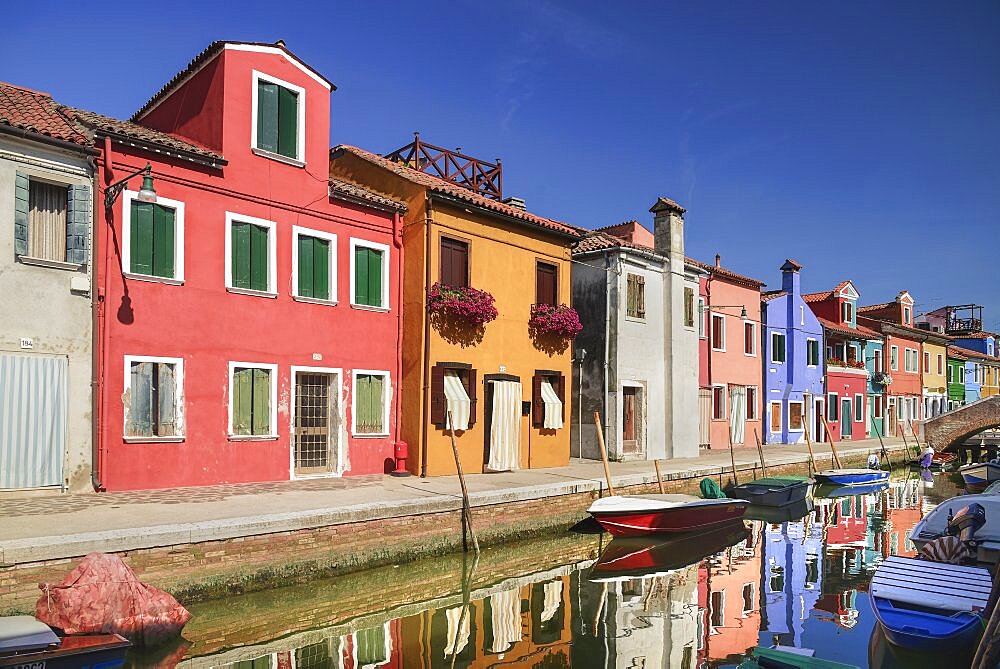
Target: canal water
[795, 578]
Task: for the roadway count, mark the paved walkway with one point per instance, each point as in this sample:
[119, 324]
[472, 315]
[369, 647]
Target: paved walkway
[39, 528]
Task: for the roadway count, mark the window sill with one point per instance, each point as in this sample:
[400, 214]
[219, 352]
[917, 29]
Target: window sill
[749, 355]
[718, 350]
[295, 162]
[636, 319]
[253, 437]
[51, 264]
[314, 300]
[154, 279]
[369, 435]
[252, 293]
[153, 440]
[365, 307]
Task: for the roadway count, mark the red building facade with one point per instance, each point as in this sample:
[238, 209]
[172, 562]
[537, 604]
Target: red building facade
[249, 319]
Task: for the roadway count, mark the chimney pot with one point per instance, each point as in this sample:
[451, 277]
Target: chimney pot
[718, 260]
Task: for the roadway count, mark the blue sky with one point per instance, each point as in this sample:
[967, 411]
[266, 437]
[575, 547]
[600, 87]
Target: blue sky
[861, 139]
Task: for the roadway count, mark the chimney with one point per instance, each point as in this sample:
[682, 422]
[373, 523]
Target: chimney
[668, 228]
[790, 277]
[718, 260]
[516, 202]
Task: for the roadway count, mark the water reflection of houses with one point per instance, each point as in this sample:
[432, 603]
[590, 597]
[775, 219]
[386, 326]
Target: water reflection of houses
[793, 558]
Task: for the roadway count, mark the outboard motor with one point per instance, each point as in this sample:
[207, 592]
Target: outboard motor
[966, 522]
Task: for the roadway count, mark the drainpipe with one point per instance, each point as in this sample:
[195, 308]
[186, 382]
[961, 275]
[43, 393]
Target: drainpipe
[425, 391]
[96, 298]
[397, 242]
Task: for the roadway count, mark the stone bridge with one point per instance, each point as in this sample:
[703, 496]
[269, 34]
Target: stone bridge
[949, 429]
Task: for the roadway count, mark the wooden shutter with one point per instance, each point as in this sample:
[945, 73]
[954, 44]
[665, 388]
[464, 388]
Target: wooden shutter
[537, 405]
[630, 296]
[561, 392]
[640, 297]
[305, 268]
[375, 278]
[288, 120]
[321, 268]
[775, 417]
[545, 283]
[242, 401]
[163, 241]
[454, 262]
[141, 393]
[166, 392]
[78, 223]
[360, 275]
[261, 406]
[439, 404]
[141, 238]
[267, 116]
[472, 388]
[21, 208]
[240, 260]
[258, 258]
[377, 405]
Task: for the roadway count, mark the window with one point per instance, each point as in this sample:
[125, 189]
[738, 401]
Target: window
[718, 402]
[45, 211]
[718, 332]
[373, 646]
[252, 400]
[369, 274]
[154, 387]
[777, 347]
[951, 374]
[635, 294]
[878, 359]
[853, 353]
[751, 402]
[795, 415]
[250, 261]
[838, 351]
[454, 263]
[314, 264]
[906, 315]
[894, 358]
[859, 408]
[688, 307]
[153, 237]
[832, 407]
[911, 360]
[702, 315]
[812, 352]
[369, 403]
[847, 312]
[279, 112]
[940, 364]
[927, 362]
[802, 315]
[717, 608]
[453, 388]
[749, 338]
[748, 598]
[877, 406]
[548, 399]
[774, 408]
[546, 284]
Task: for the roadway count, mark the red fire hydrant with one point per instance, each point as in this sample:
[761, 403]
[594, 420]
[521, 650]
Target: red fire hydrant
[401, 451]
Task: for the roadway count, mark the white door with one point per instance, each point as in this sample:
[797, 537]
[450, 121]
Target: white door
[33, 420]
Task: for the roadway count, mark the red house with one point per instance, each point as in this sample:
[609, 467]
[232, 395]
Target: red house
[248, 309]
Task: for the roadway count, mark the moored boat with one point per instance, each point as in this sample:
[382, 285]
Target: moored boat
[930, 606]
[773, 490]
[785, 657]
[642, 515]
[834, 491]
[780, 514]
[978, 476]
[852, 476]
[936, 461]
[983, 541]
[27, 642]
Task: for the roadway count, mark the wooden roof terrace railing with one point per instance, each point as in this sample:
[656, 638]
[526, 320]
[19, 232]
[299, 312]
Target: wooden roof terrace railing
[477, 175]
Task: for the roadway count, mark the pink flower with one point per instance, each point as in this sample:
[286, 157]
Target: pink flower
[474, 307]
[561, 321]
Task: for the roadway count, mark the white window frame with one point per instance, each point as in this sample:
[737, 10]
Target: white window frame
[906, 315]
[859, 402]
[753, 598]
[818, 358]
[835, 397]
[178, 397]
[722, 320]
[387, 635]
[272, 418]
[802, 315]
[702, 319]
[178, 279]
[781, 416]
[386, 403]
[338, 388]
[756, 402]
[878, 408]
[300, 153]
[877, 360]
[272, 263]
[384, 248]
[299, 231]
[927, 362]
[802, 412]
[753, 339]
[724, 415]
[940, 364]
[774, 347]
[894, 358]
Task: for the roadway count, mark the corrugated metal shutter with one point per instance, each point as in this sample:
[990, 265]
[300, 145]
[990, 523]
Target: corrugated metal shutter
[32, 420]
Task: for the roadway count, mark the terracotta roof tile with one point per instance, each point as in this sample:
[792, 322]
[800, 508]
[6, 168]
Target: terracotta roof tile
[728, 274]
[37, 113]
[439, 185]
[875, 307]
[791, 264]
[599, 241]
[905, 328]
[769, 295]
[817, 297]
[978, 335]
[350, 191]
[666, 203]
[861, 332]
[140, 133]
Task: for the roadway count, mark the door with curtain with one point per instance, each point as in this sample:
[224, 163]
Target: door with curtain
[503, 423]
[33, 420]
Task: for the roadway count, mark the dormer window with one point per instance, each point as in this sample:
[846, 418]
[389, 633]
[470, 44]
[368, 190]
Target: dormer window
[847, 312]
[906, 316]
[278, 125]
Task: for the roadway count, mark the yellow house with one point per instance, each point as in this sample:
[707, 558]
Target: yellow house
[934, 375]
[991, 378]
[506, 385]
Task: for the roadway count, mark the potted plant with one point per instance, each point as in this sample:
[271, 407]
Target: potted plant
[461, 305]
[559, 321]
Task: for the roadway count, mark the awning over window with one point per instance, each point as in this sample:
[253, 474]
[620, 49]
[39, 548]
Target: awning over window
[553, 406]
[459, 404]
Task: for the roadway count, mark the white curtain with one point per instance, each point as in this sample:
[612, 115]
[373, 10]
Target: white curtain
[47, 221]
[505, 428]
[553, 406]
[505, 612]
[457, 638]
[738, 413]
[551, 599]
[459, 404]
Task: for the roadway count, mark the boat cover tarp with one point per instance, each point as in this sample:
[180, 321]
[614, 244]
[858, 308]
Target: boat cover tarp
[103, 595]
[777, 482]
[711, 490]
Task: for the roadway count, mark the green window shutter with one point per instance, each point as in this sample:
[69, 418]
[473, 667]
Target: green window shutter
[167, 400]
[360, 275]
[77, 223]
[288, 120]
[141, 391]
[141, 238]
[242, 400]
[376, 404]
[267, 116]
[261, 407]
[305, 268]
[240, 261]
[258, 257]
[362, 402]
[375, 278]
[321, 268]
[21, 207]
[163, 241]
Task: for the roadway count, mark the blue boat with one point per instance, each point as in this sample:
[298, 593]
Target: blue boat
[978, 476]
[852, 477]
[930, 606]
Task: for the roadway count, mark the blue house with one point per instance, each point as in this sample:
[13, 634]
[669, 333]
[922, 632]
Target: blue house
[877, 376]
[792, 361]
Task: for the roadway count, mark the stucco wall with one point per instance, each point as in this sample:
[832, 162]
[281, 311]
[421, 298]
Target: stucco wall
[590, 300]
[40, 304]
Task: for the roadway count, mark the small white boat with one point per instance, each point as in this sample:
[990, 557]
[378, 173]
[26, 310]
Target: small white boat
[978, 476]
[986, 538]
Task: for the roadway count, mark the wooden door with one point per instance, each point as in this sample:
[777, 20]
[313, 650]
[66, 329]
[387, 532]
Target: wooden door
[630, 420]
[818, 433]
[316, 423]
[846, 418]
[704, 417]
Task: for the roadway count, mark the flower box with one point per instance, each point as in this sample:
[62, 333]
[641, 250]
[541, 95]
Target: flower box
[462, 304]
[560, 321]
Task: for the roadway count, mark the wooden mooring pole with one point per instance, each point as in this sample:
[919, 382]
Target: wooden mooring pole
[659, 476]
[604, 452]
[466, 506]
[805, 432]
[833, 448]
[760, 452]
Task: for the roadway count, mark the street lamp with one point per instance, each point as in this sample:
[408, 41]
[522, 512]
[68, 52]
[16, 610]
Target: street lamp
[146, 193]
[712, 307]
